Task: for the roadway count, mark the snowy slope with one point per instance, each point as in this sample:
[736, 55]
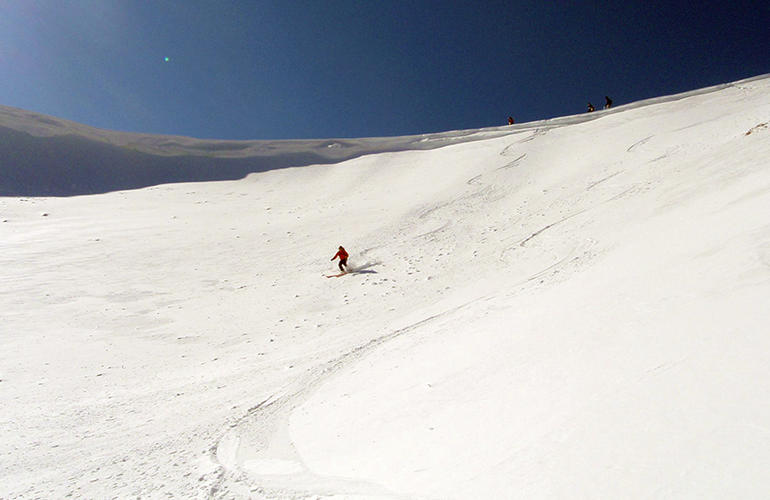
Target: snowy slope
[570, 308]
[45, 156]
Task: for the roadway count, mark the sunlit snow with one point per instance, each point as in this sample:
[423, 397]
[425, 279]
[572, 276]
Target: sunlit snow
[572, 308]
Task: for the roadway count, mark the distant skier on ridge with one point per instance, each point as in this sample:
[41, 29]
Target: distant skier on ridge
[591, 107]
[343, 255]
[607, 102]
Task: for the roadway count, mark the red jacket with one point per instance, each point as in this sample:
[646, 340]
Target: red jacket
[342, 254]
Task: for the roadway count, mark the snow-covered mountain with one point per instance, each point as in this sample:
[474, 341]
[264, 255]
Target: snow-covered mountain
[572, 308]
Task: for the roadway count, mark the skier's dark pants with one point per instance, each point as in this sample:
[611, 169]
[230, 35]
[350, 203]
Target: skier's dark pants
[343, 262]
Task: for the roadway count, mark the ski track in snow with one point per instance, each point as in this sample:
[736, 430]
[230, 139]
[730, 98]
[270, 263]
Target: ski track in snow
[274, 412]
[530, 307]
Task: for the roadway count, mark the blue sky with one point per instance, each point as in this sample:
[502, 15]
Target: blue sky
[361, 68]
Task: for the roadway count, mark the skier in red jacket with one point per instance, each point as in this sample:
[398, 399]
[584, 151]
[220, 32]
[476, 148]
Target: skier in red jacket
[343, 255]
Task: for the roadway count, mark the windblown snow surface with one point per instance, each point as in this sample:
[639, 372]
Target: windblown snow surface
[572, 308]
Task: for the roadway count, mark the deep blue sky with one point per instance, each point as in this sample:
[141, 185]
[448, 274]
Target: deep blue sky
[289, 69]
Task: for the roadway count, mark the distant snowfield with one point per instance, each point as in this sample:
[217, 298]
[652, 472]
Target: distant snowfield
[573, 308]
